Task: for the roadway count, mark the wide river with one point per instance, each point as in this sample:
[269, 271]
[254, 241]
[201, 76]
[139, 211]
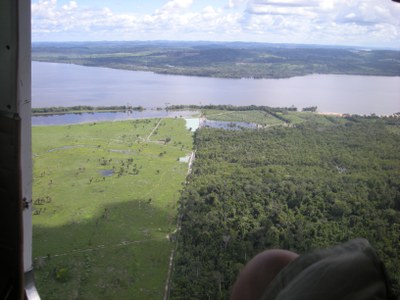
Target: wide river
[56, 84]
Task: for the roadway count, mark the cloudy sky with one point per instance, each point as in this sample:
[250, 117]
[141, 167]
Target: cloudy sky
[334, 22]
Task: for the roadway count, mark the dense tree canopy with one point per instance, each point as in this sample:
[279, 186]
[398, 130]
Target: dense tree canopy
[297, 188]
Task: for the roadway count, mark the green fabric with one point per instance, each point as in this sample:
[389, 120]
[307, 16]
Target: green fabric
[351, 271]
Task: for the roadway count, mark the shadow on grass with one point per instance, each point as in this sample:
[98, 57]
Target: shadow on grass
[121, 253]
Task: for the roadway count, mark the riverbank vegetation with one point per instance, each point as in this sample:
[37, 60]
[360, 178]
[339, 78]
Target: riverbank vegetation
[105, 197]
[222, 59]
[311, 185]
[81, 109]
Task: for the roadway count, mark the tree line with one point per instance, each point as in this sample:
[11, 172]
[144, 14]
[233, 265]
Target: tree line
[226, 60]
[83, 108]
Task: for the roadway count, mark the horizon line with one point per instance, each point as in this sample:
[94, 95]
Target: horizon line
[393, 48]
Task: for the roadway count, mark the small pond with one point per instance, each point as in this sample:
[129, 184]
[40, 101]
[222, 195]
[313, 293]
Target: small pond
[106, 173]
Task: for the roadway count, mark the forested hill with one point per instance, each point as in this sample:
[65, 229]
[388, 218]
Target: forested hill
[228, 60]
[296, 188]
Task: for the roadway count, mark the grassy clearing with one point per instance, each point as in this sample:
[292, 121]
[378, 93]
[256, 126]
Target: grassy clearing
[250, 116]
[105, 203]
[265, 119]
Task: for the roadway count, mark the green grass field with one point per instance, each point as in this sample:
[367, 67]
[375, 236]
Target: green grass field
[105, 197]
[250, 116]
[265, 119]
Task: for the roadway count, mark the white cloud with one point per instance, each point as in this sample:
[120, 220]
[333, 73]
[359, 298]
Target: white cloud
[326, 21]
[235, 3]
[70, 6]
[363, 22]
[210, 12]
[176, 5]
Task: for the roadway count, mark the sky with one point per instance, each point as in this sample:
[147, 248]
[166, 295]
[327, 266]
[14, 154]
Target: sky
[365, 23]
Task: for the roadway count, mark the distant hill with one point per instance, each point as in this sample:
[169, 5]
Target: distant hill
[222, 59]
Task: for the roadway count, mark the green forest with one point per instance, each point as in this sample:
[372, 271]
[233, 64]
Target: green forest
[311, 185]
[222, 59]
